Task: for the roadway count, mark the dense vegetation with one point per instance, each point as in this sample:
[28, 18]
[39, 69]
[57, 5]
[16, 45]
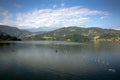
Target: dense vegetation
[74, 34]
[78, 34]
[13, 31]
[8, 38]
[67, 37]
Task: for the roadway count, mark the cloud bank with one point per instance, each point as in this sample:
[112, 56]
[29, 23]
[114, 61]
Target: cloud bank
[60, 17]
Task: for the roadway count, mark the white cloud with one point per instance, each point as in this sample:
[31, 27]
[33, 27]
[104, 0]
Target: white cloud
[55, 17]
[106, 14]
[5, 17]
[118, 28]
[4, 13]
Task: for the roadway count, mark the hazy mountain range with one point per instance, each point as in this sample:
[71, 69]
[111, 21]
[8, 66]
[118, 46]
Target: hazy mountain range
[73, 33]
[42, 29]
[13, 31]
[77, 34]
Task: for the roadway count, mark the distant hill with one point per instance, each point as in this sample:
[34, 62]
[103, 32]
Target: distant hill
[13, 31]
[6, 37]
[78, 34]
[73, 33]
[41, 29]
[2, 33]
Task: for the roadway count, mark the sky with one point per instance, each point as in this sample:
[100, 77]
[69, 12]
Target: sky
[25, 14]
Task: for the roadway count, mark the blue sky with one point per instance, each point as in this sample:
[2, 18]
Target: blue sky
[60, 13]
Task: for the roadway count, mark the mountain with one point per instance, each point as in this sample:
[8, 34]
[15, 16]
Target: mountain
[2, 33]
[41, 29]
[78, 34]
[13, 31]
[73, 33]
[6, 37]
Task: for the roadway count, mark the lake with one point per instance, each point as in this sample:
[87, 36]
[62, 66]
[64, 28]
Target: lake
[59, 60]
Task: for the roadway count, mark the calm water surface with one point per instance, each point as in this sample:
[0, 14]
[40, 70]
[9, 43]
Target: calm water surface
[55, 60]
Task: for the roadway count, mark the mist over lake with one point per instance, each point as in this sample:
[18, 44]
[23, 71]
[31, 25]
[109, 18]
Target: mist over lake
[59, 60]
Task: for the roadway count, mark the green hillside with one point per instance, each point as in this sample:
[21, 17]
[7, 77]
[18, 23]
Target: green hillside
[13, 31]
[6, 37]
[77, 34]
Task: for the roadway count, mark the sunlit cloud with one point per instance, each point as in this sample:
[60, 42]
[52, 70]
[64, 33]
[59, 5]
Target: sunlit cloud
[118, 28]
[5, 14]
[54, 17]
[106, 14]
[5, 17]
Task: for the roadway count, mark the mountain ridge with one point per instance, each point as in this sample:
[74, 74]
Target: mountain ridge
[71, 33]
[13, 31]
[83, 34]
[41, 29]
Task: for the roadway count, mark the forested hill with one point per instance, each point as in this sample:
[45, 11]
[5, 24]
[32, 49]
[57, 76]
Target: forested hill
[78, 34]
[6, 37]
[13, 31]
[75, 34]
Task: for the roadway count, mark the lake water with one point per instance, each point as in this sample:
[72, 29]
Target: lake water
[56, 60]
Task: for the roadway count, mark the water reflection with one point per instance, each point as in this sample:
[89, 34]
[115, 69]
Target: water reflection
[71, 59]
